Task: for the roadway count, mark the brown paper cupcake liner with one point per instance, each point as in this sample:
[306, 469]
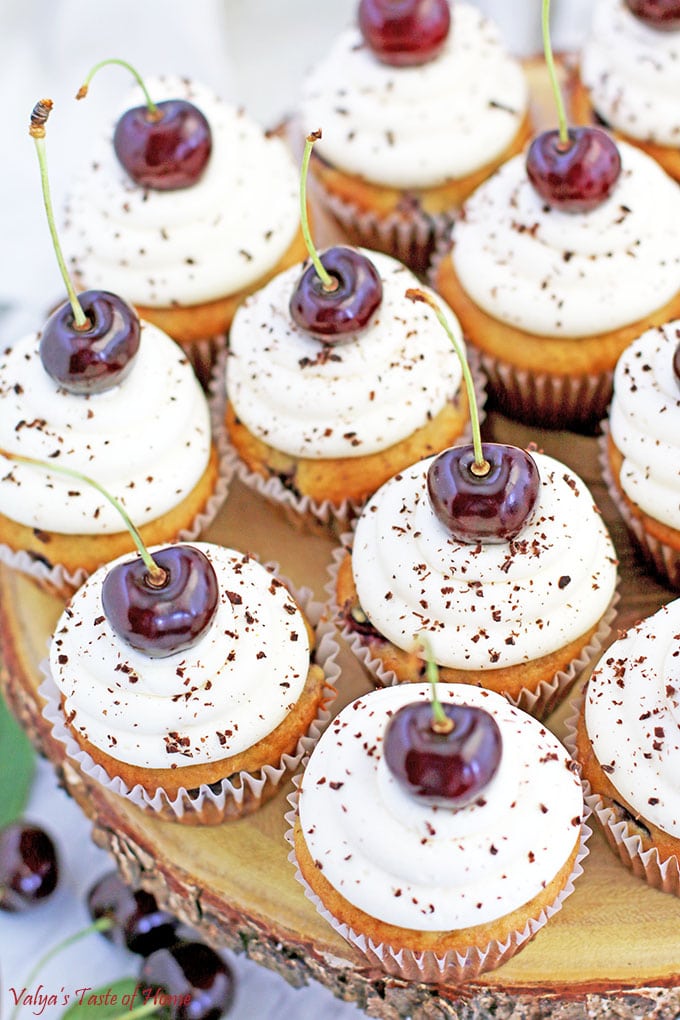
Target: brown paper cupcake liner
[410, 236]
[236, 795]
[203, 355]
[59, 581]
[427, 966]
[646, 864]
[539, 702]
[663, 558]
[303, 512]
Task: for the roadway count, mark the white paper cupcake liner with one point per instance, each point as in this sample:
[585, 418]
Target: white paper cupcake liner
[663, 558]
[236, 795]
[59, 581]
[427, 966]
[628, 846]
[303, 512]
[539, 702]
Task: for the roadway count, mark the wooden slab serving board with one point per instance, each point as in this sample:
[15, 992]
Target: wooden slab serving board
[613, 950]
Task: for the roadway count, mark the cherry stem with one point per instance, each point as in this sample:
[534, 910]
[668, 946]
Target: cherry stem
[327, 280]
[154, 112]
[102, 924]
[481, 466]
[157, 576]
[41, 112]
[440, 720]
[550, 63]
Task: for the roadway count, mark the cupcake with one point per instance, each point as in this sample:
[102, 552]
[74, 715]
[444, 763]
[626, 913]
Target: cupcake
[630, 78]
[320, 426]
[186, 258]
[147, 440]
[627, 746]
[550, 298]
[403, 146]
[641, 447]
[432, 892]
[204, 732]
[521, 616]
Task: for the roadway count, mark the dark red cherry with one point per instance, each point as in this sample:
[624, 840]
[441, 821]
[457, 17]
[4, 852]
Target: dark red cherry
[164, 152]
[161, 620]
[404, 32]
[196, 982]
[491, 507]
[661, 14]
[29, 869]
[95, 358]
[576, 176]
[139, 923]
[676, 364]
[450, 769]
[331, 315]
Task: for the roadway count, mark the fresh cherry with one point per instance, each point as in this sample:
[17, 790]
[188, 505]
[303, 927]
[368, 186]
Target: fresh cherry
[199, 984]
[338, 293]
[97, 356]
[29, 869]
[573, 169]
[163, 146]
[166, 150]
[660, 14]
[576, 175]
[331, 313]
[440, 764]
[165, 613]
[88, 345]
[676, 364]
[404, 32]
[489, 505]
[138, 922]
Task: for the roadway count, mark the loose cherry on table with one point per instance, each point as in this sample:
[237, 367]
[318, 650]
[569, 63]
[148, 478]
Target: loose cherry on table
[338, 294]
[199, 982]
[484, 492]
[164, 146]
[139, 923]
[663, 15]
[444, 755]
[404, 32]
[88, 344]
[573, 169]
[29, 868]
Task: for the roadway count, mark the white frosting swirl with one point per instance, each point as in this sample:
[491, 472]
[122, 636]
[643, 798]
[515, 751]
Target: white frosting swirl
[146, 440]
[633, 74]
[484, 606]
[632, 716]
[161, 248]
[644, 421]
[563, 274]
[433, 869]
[363, 395]
[409, 127]
[214, 700]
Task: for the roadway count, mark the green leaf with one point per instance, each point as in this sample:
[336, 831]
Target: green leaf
[17, 765]
[104, 1002]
